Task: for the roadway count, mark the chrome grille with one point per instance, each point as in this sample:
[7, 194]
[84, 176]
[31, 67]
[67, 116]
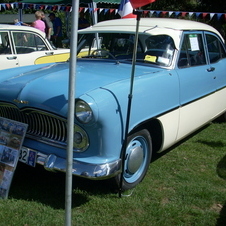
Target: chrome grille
[41, 125]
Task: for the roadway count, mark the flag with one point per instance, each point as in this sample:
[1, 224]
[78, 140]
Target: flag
[126, 9]
[138, 3]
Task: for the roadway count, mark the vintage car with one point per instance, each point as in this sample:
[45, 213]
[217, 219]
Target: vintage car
[24, 45]
[179, 85]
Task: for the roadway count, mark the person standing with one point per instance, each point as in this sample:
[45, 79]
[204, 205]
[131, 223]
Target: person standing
[38, 23]
[82, 21]
[56, 38]
[48, 26]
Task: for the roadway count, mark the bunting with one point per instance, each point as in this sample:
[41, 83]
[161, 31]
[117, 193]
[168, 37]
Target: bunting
[146, 13]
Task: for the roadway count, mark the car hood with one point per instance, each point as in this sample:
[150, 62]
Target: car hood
[46, 86]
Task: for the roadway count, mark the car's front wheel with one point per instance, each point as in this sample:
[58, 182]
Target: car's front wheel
[137, 159]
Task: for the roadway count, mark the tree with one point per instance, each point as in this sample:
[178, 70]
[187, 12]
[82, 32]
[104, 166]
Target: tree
[174, 5]
[189, 5]
[213, 6]
[7, 1]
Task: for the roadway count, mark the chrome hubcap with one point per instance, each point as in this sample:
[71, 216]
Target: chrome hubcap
[135, 159]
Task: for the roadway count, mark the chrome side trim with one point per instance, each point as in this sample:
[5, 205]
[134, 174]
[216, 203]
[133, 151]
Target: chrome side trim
[91, 171]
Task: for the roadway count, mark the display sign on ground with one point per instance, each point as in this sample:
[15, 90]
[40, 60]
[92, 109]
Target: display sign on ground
[12, 135]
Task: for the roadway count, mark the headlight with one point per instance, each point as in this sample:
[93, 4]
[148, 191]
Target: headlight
[81, 141]
[83, 112]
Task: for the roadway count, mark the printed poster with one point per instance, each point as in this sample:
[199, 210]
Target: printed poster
[12, 135]
[194, 42]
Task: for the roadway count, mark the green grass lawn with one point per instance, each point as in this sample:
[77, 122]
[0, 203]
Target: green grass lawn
[184, 186]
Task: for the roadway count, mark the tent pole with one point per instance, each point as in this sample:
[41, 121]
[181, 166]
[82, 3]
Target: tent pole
[130, 96]
[71, 106]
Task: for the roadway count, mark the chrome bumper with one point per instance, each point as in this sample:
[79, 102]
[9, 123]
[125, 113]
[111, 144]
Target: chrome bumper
[91, 171]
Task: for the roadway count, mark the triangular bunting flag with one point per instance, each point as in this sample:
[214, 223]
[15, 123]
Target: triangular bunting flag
[177, 14]
[151, 13]
[112, 10]
[212, 15]
[205, 14]
[170, 13]
[197, 14]
[183, 14]
[219, 15]
[190, 14]
[106, 10]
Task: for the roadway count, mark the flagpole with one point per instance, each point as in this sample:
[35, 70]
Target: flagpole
[71, 105]
[130, 96]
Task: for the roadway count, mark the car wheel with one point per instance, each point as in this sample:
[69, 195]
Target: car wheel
[137, 159]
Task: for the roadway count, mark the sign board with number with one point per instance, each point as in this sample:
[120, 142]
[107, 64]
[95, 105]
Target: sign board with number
[12, 135]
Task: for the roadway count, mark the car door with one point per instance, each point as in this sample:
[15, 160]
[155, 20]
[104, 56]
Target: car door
[8, 59]
[217, 57]
[29, 47]
[197, 83]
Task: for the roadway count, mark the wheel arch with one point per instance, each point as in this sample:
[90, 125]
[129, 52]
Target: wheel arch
[154, 127]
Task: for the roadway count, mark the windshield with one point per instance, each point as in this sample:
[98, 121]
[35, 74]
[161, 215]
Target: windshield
[158, 49]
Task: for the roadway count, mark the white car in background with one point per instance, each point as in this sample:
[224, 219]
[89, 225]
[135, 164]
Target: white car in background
[24, 45]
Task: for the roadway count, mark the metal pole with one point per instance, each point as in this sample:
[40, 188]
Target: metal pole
[130, 96]
[20, 12]
[71, 105]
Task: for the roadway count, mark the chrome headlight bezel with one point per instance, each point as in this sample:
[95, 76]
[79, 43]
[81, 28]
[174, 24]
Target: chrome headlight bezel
[83, 112]
[81, 140]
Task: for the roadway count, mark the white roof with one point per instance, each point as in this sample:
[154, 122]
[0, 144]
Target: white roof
[172, 27]
[20, 28]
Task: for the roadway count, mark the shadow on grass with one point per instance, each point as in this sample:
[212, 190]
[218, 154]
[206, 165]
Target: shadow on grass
[221, 171]
[37, 184]
[221, 168]
[221, 221]
[156, 156]
[213, 144]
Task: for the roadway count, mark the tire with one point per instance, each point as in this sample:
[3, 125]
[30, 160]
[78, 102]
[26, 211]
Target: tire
[137, 160]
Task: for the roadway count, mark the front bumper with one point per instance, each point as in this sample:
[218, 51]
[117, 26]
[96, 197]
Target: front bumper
[91, 171]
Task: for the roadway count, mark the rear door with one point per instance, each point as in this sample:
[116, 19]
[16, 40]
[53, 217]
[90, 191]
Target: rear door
[217, 56]
[197, 83]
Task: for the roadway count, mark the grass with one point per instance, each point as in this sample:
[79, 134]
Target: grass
[184, 186]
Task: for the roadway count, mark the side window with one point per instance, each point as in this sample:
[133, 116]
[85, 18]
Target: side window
[160, 50]
[192, 51]
[28, 42]
[5, 47]
[215, 49]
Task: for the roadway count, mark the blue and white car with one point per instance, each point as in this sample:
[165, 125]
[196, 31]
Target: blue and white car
[179, 86]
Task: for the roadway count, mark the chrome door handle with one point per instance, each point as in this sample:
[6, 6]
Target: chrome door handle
[211, 69]
[11, 58]
[49, 53]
